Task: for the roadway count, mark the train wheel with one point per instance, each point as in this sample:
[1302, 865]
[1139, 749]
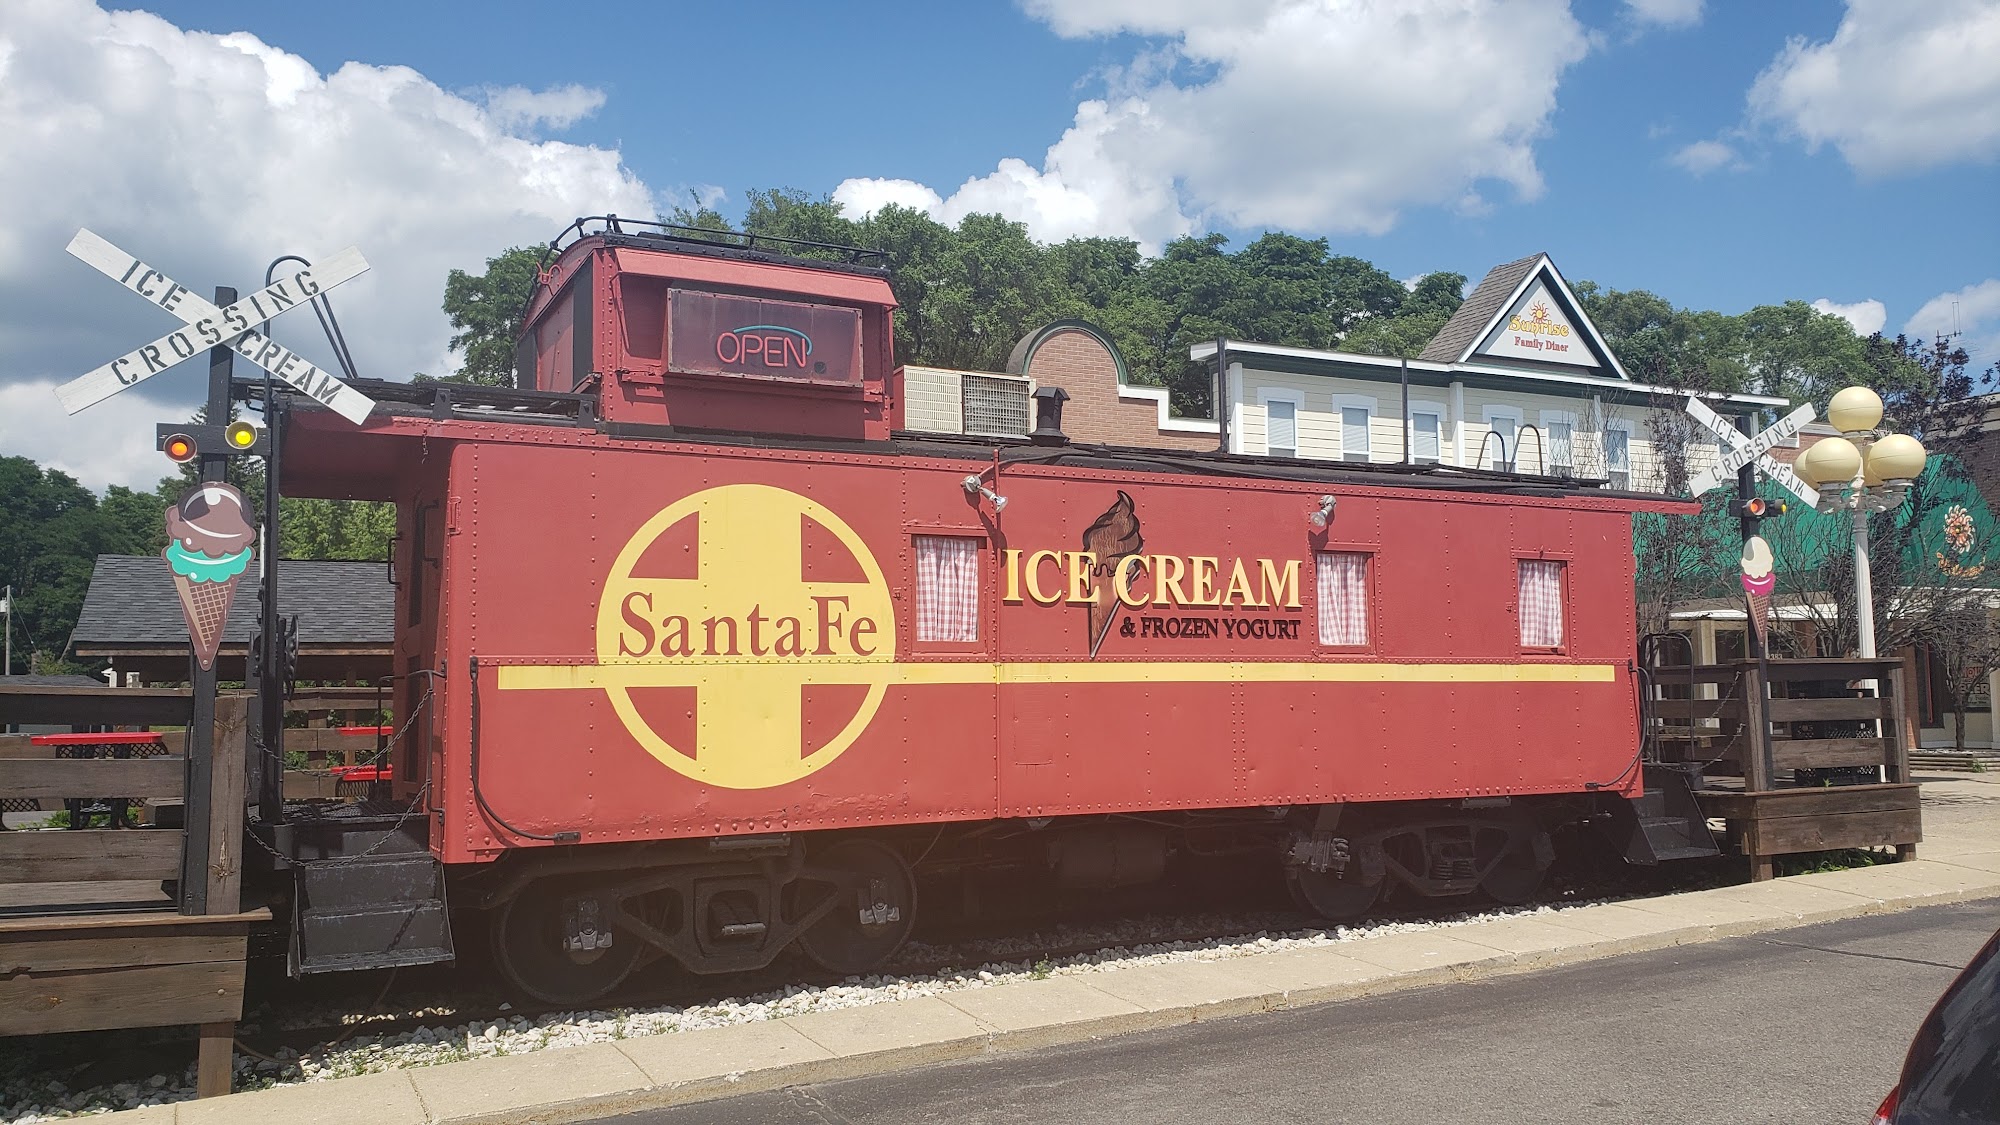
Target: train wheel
[1518, 875]
[553, 943]
[874, 907]
[1330, 896]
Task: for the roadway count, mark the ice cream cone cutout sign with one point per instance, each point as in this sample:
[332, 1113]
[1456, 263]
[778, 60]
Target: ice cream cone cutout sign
[1758, 582]
[208, 549]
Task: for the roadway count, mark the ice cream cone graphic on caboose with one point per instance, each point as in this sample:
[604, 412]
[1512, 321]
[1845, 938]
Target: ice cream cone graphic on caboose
[208, 549]
[1111, 537]
[1758, 582]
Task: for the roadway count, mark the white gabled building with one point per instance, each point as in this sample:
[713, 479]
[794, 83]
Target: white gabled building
[1518, 379]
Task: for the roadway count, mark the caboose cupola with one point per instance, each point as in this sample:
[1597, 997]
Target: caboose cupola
[695, 330]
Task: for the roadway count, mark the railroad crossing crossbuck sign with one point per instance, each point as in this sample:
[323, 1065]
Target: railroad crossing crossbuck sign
[207, 327]
[1740, 450]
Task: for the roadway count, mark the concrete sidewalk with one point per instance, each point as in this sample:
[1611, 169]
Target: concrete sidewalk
[1960, 860]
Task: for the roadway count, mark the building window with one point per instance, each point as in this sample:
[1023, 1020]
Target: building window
[1562, 448]
[1354, 436]
[1426, 437]
[947, 588]
[1500, 450]
[1343, 598]
[1618, 459]
[1541, 603]
[1281, 428]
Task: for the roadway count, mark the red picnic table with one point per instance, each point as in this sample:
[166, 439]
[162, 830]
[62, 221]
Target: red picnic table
[101, 744]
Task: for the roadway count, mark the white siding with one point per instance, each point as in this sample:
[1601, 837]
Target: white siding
[1319, 423]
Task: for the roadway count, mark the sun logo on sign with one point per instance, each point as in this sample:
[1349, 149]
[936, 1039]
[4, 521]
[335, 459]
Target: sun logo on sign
[1539, 312]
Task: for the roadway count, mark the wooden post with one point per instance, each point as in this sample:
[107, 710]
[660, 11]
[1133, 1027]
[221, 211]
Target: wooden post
[1756, 725]
[225, 820]
[213, 1059]
[1898, 764]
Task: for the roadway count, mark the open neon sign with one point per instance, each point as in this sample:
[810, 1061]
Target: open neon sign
[726, 334]
[773, 345]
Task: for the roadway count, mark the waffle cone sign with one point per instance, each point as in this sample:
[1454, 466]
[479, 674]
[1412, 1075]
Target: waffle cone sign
[1758, 582]
[208, 550]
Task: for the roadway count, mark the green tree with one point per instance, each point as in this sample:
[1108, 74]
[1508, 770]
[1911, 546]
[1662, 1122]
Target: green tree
[51, 532]
[485, 312]
[336, 529]
[1413, 321]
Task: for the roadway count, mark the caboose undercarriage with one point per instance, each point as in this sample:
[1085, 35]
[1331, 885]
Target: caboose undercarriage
[569, 925]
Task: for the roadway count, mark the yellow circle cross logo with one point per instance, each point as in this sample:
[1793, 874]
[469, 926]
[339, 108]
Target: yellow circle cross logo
[750, 625]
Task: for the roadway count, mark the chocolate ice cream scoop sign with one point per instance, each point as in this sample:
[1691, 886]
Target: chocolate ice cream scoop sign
[208, 551]
[208, 327]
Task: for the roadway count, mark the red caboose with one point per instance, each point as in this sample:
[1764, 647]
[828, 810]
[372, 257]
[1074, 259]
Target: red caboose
[707, 654]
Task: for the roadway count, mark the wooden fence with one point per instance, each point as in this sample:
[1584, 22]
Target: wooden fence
[89, 940]
[1786, 727]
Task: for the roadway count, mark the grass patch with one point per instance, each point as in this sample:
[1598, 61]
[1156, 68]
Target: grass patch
[1839, 859]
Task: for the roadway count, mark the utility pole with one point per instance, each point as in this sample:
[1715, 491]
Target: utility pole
[7, 604]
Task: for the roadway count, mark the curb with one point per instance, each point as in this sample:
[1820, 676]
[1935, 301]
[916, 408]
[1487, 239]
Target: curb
[569, 1084]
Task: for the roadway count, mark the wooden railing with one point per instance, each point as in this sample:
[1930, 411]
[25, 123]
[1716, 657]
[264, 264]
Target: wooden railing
[1770, 719]
[1770, 722]
[86, 951]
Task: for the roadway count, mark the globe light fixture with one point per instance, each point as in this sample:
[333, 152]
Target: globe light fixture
[1896, 459]
[1834, 460]
[1872, 472]
[1855, 410]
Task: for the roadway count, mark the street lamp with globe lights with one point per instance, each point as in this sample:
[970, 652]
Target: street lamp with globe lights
[1864, 472]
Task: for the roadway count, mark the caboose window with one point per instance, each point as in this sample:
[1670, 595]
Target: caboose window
[1343, 598]
[947, 588]
[1541, 603]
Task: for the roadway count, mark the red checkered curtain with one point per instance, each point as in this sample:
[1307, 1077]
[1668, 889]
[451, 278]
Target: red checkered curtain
[1541, 604]
[947, 588]
[1343, 597]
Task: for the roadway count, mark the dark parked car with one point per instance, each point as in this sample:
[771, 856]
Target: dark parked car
[1952, 1073]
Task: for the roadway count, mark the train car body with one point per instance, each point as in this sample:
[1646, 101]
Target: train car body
[690, 624]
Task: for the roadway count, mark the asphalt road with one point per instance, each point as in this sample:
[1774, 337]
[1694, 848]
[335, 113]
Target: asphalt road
[1800, 1027]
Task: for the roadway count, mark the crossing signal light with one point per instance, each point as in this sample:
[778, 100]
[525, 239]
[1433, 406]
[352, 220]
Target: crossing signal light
[1757, 508]
[183, 443]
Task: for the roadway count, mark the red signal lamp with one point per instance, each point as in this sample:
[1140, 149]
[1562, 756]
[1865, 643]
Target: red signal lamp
[179, 448]
[1757, 508]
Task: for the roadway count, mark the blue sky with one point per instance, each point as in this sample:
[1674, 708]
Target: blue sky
[1722, 155]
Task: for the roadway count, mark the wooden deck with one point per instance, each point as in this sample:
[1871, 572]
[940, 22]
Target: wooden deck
[1771, 733]
[89, 937]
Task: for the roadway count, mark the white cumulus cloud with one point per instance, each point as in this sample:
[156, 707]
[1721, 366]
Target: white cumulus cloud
[1703, 157]
[113, 444]
[1972, 312]
[518, 108]
[1286, 113]
[210, 155]
[1901, 87]
[1867, 317]
[859, 198]
[1665, 13]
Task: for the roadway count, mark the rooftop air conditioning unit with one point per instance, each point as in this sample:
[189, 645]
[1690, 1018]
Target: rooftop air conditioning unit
[995, 405]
